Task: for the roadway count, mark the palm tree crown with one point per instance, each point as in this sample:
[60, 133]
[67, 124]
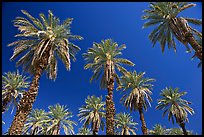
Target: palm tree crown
[139, 88]
[125, 124]
[172, 104]
[97, 57]
[45, 36]
[36, 122]
[60, 117]
[13, 87]
[164, 15]
[84, 131]
[92, 113]
[157, 130]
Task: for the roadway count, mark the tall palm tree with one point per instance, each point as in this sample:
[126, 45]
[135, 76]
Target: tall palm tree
[36, 122]
[92, 113]
[125, 124]
[137, 93]
[157, 130]
[13, 87]
[84, 131]
[176, 107]
[103, 59]
[170, 25]
[60, 117]
[42, 42]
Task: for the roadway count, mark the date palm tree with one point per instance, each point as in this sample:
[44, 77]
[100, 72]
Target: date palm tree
[125, 124]
[84, 131]
[42, 41]
[60, 117]
[13, 87]
[103, 59]
[157, 130]
[36, 122]
[137, 90]
[176, 107]
[93, 113]
[169, 25]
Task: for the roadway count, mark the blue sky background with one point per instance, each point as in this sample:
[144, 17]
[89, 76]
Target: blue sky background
[122, 22]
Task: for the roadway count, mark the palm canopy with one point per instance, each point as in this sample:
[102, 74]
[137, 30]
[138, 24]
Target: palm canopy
[157, 130]
[84, 131]
[93, 112]
[172, 104]
[13, 86]
[164, 15]
[36, 122]
[37, 36]
[99, 54]
[139, 89]
[125, 124]
[60, 117]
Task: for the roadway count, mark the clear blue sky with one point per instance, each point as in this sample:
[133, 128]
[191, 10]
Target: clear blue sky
[122, 22]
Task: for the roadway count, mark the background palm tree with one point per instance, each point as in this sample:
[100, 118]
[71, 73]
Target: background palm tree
[60, 117]
[157, 130]
[92, 113]
[139, 93]
[36, 122]
[103, 59]
[13, 86]
[170, 25]
[175, 106]
[42, 41]
[84, 131]
[125, 124]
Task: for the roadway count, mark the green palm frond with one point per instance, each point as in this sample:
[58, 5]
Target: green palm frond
[99, 54]
[38, 35]
[14, 85]
[60, 114]
[93, 112]
[173, 104]
[136, 88]
[124, 122]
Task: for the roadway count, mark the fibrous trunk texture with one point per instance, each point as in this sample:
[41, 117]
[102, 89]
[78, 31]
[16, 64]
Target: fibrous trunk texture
[182, 125]
[26, 103]
[110, 107]
[144, 127]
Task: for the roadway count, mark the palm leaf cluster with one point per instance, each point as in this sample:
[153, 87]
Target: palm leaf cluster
[139, 89]
[13, 86]
[44, 36]
[164, 15]
[124, 124]
[84, 131]
[50, 123]
[174, 105]
[97, 57]
[93, 113]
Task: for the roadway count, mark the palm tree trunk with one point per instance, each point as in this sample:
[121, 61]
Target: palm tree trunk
[190, 38]
[182, 125]
[56, 130]
[144, 128]
[5, 102]
[26, 104]
[110, 107]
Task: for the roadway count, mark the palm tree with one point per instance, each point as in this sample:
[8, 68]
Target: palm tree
[125, 124]
[60, 117]
[13, 87]
[170, 25]
[42, 41]
[175, 106]
[138, 95]
[36, 122]
[157, 130]
[84, 131]
[177, 131]
[103, 59]
[92, 113]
